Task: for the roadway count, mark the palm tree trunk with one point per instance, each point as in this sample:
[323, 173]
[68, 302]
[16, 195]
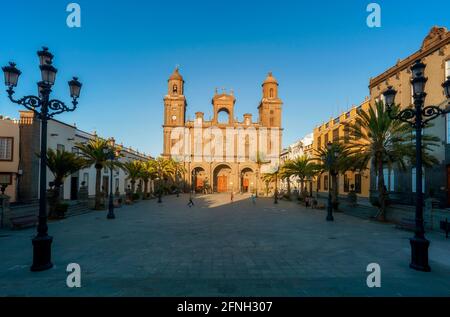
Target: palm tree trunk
[98, 175]
[381, 192]
[289, 186]
[334, 179]
[145, 188]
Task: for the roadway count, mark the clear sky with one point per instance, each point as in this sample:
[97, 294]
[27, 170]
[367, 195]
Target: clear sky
[322, 53]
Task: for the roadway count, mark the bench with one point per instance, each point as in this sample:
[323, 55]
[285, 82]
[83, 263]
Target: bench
[445, 225]
[24, 221]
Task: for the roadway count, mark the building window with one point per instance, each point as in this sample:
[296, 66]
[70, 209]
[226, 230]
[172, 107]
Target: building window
[413, 179]
[326, 139]
[346, 133]
[6, 178]
[319, 142]
[86, 179]
[447, 69]
[325, 182]
[271, 93]
[6, 149]
[346, 184]
[389, 179]
[60, 147]
[358, 183]
[175, 89]
[336, 135]
[337, 120]
[318, 183]
[347, 115]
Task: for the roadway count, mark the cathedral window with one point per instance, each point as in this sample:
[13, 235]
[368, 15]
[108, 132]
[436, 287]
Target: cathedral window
[271, 93]
[175, 89]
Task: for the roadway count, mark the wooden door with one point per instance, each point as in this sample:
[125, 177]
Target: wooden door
[221, 184]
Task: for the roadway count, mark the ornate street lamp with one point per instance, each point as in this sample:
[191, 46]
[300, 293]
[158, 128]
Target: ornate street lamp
[328, 159]
[418, 117]
[44, 109]
[112, 155]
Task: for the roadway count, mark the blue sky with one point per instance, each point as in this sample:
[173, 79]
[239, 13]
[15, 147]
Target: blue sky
[322, 54]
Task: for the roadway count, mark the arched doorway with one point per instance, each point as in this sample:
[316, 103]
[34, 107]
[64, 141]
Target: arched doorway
[199, 180]
[222, 178]
[247, 180]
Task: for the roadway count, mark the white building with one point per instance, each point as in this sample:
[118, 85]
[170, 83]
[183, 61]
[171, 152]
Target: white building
[293, 151]
[62, 136]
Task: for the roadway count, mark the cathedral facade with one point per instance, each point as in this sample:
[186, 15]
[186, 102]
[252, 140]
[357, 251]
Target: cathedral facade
[223, 154]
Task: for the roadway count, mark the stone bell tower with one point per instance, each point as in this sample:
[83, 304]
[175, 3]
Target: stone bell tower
[174, 108]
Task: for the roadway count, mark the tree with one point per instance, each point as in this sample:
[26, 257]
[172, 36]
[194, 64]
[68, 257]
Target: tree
[302, 167]
[382, 141]
[164, 169]
[333, 159]
[62, 164]
[96, 152]
[271, 177]
[134, 170]
[260, 160]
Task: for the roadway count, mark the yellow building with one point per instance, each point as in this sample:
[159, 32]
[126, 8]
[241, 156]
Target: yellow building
[9, 156]
[435, 53]
[332, 131]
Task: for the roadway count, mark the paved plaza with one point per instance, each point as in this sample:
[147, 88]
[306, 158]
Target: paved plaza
[218, 248]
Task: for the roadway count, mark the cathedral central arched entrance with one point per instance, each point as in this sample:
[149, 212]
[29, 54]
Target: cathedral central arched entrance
[222, 179]
[247, 180]
[199, 180]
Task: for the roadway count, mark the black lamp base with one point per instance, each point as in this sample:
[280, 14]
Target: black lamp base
[419, 254]
[42, 253]
[111, 216]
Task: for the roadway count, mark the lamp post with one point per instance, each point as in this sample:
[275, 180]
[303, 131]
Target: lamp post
[275, 196]
[112, 154]
[418, 117]
[45, 109]
[329, 160]
[159, 179]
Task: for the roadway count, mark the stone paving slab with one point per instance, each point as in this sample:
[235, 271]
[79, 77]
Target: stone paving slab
[218, 248]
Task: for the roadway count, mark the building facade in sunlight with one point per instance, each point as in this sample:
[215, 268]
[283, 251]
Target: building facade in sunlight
[223, 153]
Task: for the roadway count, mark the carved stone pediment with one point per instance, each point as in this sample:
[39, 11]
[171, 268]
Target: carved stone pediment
[436, 34]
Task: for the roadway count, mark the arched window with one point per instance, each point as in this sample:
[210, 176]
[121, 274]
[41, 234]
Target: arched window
[271, 93]
[175, 89]
[223, 116]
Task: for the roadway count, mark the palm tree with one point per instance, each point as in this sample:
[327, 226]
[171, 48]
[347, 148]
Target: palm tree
[302, 167]
[96, 152]
[148, 173]
[272, 177]
[285, 175]
[179, 171]
[332, 159]
[164, 169]
[382, 141]
[62, 164]
[134, 170]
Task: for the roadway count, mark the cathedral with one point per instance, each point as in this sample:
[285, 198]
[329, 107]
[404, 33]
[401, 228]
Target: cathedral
[223, 154]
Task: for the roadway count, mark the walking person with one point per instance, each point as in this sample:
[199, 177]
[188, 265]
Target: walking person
[191, 202]
[253, 199]
[232, 196]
